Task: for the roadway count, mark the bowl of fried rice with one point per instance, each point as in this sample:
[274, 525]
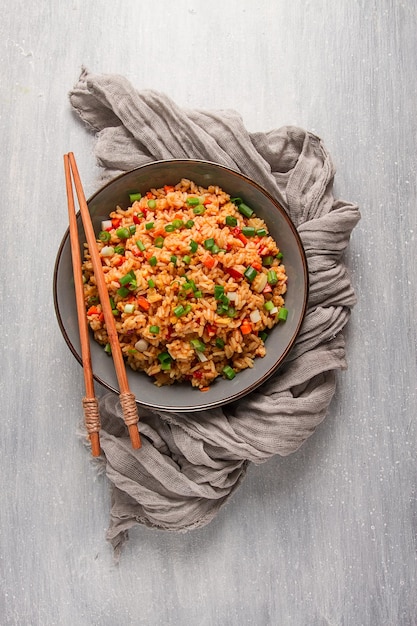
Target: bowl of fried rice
[207, 280]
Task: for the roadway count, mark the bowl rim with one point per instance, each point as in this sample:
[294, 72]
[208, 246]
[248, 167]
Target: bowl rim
[258, 382]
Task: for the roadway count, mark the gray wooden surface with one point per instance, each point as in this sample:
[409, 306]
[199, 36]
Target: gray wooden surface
[325, 537]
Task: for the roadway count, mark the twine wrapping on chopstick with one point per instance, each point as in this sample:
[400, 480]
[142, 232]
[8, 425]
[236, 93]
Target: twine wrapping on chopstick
[127, 399]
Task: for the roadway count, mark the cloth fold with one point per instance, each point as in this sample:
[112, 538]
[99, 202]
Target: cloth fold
[189, 465]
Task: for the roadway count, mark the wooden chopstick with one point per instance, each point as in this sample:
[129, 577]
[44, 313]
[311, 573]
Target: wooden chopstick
[90, 403]
[127, 398]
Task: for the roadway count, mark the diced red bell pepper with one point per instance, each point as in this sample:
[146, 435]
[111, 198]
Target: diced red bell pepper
[233, 273]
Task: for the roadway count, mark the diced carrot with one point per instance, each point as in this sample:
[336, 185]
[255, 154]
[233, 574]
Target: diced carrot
[116, 262]
[245, 327]
[93, 310]
[211, 329]
[257, 266]
[204, 388]
[143, 303]
[206, 200]
[158, 232]
[209, 262]
[168, 188]
[150, 195]
[116, 221]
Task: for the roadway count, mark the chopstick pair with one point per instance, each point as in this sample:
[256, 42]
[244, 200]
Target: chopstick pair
[127, 398]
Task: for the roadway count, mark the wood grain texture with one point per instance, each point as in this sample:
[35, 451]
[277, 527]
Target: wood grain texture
[324, 537]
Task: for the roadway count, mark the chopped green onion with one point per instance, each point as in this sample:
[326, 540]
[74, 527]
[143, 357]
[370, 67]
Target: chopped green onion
[107, 348]
[104, 236]
[280, 256]
[269, 305]
[199, 210]
[166, 365]
[187, 286]
[209, 243]
[198, 294]
[282, 314]
[250, 273]
[267, 260]
[186, 259]
[198, 345]
[272, 277]
[123, 233]
[127, 278]
[179, 310]
[230, 220]
[154, 330]
[218, 291]
[153, 261]
[219, 343]
[248, 231]
[135, 196]
[133, 284]
[158, 242]
[236, 201]
[151, 204]
[245, 210]
[222, 309]
[177, 223]
[189, 223]
[263, 335]
[261, 232]
[129, 308]
[215, 249]
[192, 201]
[123, 292]
[193, 246]
[231, 311]
[151, 283]
[173, 259]
[164, 357]
[140, 245]
[224, 299]
[229, 372]
[92, 300]
[169, 228]
[119, 250]
[132, 229]
[149, 225]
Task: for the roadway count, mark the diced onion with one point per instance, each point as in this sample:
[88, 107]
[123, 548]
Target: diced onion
[129, 308]
[141, 345]
[273, 311]
[255, 316]
[105, 224]
[232, 295]
[107, 251]
[202, 357]
[259, 283]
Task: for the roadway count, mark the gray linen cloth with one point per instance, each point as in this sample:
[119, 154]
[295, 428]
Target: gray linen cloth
[189, 465]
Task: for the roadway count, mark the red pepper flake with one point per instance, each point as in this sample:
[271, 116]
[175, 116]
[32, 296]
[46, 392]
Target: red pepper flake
[116, 221]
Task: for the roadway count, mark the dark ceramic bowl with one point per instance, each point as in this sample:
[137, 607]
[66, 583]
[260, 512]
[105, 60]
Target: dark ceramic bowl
[182, 397]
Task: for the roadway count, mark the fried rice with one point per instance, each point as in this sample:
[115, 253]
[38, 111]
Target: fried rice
[195, 281]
